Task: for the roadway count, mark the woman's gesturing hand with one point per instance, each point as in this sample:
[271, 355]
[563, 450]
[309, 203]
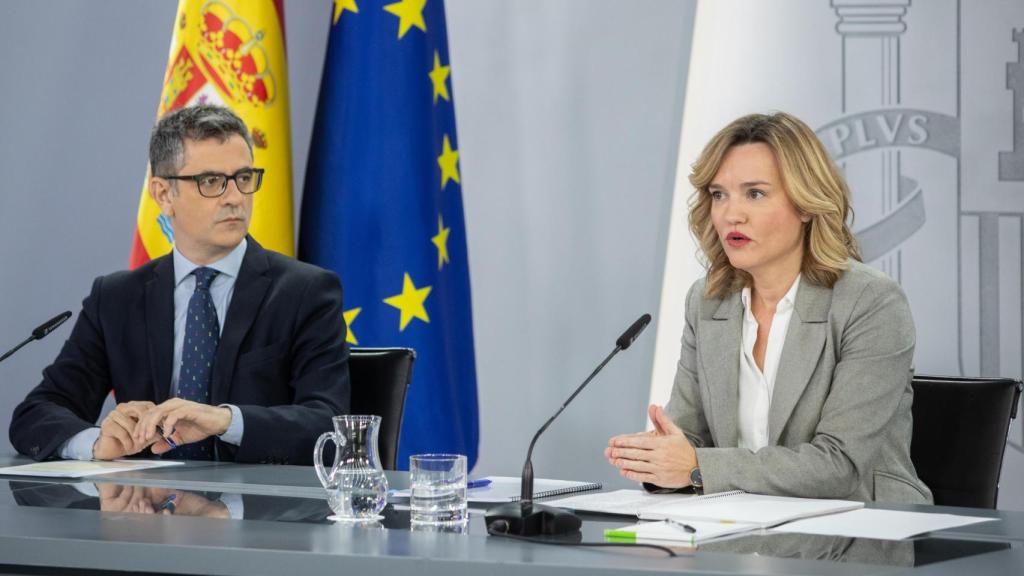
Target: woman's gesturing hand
[663, 456]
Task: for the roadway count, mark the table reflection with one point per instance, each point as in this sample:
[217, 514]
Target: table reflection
[129, 498]
[145, 500]
[135, 499]
[916, 552]
[817, 547]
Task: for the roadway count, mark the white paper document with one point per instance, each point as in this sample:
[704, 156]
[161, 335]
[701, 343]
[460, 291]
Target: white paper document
[83, 468]
[736, 506]
[760, 509]
[878, 524]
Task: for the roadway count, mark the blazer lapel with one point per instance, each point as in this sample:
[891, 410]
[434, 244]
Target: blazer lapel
[805, 341]
[250, 288]
[160, 326]
[720, 361]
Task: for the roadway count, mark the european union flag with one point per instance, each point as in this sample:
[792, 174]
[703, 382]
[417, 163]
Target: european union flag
[383, 208]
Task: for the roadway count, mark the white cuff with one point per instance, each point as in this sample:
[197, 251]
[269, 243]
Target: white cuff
[234, 504]
[79, 446]
[233, 435]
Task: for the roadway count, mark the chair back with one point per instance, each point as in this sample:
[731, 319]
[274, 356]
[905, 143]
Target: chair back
[960, 427]
[380, 378]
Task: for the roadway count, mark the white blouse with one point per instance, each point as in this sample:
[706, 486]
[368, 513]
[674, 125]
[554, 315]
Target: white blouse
[756, 387]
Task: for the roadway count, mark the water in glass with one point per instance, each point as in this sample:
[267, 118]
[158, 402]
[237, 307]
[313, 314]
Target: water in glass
[438, 503]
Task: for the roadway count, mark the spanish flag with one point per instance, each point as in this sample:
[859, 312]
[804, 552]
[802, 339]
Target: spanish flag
[231, 52]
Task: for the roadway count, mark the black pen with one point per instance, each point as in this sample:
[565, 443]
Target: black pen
[684, 527]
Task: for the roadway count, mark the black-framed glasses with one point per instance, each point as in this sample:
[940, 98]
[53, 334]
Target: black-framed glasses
[214, 184]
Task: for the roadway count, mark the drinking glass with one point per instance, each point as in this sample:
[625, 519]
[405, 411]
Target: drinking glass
[438, 494]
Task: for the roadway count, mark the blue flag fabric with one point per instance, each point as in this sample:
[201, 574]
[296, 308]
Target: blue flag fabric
[383, 208]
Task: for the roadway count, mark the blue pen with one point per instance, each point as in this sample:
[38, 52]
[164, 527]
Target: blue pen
[167, 438]
[478, 483]
[168, 504]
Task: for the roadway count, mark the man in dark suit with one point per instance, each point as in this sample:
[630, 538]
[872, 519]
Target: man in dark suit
[222, 349]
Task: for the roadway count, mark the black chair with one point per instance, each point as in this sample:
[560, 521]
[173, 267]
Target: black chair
[960, 428]
[380, 378]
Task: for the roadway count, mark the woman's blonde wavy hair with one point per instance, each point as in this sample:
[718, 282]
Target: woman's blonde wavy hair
[815, 186]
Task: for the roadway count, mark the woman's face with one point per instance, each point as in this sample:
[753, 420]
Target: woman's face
[758, 226]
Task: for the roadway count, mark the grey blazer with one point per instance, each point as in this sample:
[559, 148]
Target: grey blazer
[839, 420]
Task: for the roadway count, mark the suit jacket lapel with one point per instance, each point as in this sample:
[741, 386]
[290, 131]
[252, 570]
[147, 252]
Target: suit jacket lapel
[250, 288]
[805, 341]
[160, 326]
[720, 335]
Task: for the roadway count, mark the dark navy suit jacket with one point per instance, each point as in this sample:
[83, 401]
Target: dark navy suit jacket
[282, 358]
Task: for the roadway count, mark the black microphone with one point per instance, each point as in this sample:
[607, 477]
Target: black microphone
[526, 518]
[632, 332]
[40, 332]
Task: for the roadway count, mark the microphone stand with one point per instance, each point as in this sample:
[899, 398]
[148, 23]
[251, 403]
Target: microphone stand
[11, 352]
[526, 491]
[526, 518]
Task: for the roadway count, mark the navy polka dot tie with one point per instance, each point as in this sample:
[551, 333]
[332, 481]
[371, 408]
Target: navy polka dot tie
[202, 333]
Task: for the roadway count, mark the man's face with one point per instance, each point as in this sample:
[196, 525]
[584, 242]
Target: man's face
[207, 229]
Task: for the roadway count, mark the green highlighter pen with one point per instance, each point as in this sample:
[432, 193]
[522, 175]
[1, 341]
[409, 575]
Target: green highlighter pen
[619, 536]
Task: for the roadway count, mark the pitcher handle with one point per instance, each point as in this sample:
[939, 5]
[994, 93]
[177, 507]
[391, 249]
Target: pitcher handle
[318, 458]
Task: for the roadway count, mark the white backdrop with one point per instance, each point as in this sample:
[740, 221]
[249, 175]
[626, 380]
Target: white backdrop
[916, 101]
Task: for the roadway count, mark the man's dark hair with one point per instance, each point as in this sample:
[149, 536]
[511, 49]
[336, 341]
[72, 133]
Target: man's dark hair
[200, 122]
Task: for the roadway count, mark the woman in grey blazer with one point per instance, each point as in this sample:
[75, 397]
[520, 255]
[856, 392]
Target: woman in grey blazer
[795, 371]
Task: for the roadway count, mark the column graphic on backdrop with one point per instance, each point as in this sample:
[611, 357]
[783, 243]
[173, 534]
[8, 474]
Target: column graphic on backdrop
[905, 165]
[1011, 169]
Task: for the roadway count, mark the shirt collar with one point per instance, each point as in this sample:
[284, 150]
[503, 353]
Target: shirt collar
[787, 303]
[227, 266]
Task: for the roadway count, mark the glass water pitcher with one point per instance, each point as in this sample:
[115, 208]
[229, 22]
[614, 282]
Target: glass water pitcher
[356, 486]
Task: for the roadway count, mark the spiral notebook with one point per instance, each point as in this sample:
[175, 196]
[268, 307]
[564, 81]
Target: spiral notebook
[508, 489]
[627, 502]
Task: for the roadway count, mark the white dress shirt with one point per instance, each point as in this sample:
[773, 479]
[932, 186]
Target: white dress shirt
[756, 386]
